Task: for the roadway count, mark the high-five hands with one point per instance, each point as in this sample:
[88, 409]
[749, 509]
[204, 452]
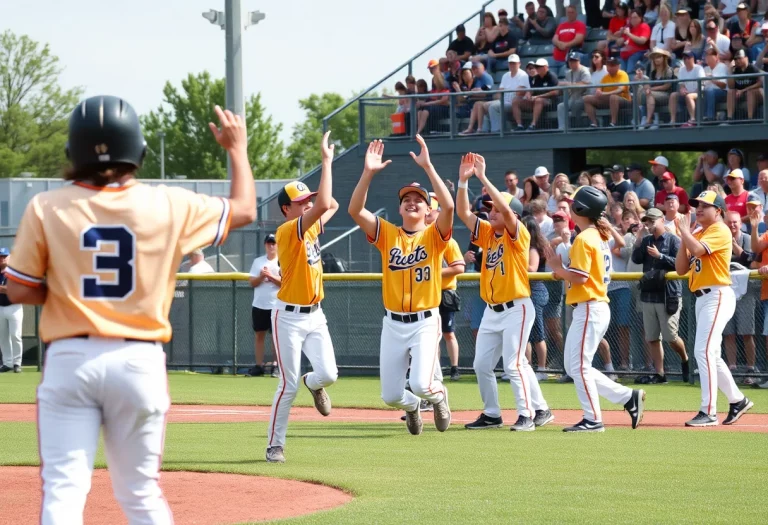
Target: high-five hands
[467, 167]
[373, 162]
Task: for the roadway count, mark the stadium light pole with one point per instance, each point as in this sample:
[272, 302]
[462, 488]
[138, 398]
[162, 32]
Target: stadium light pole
[231, 21]
[161, 134]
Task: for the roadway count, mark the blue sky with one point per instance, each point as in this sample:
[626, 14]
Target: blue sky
[131, 48]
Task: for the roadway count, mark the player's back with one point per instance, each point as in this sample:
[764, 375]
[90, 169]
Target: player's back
[112, 254]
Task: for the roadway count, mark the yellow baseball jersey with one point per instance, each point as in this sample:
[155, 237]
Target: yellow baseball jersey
[452, 257]
[109, 256]
[713, 267]
[301, 267]
[590, 256]
[504, 273]
[411, 263]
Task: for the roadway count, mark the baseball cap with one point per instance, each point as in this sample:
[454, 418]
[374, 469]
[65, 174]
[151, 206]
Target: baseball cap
[415, 187]
[739, 53]
[559, 215]
[4, 252]
[688, 54]
[708, 198]
[672, 197]
[751, 199]
[616, 167]
[736, 174]
[742, 6]
[467, 65]
[667, 176]
[637, 167]
[762, 157]
[541, 62]
[541, 171]
[433, 201]
[574, 56]
[270, 239]
[432, 63]
[513, 58]
[736, 151]
[461, 29]
[613, 61]
[514, 203]
[653, 213]
[530, 63]
[295, 191]
[661, 160]
[683, 11]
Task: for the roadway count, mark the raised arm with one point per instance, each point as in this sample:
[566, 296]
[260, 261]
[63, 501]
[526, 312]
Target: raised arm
[692, 245]
[463, 207]
[323, 208]
[754, 221]
[373, 164]
[510, 219]
[445, 219]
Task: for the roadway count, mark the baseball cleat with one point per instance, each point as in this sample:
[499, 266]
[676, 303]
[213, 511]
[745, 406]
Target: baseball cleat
[685, 370]
[543, 417]
[16, 369]
[426, 406]
[585, 425]
[4, 369]
[322, 401]
[737, 410]
[523, 424]
[275, 455]
[442, 413]
[702, 420]
[455, 375]
[636, 406]
[485, 422]
[413, 422]
[761, 385]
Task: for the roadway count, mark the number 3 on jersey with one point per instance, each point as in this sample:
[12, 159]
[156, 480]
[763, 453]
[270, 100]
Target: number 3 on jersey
[116, 273]
[608, 267]
[422, 274]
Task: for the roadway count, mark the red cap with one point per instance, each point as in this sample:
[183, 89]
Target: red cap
[667, 176]
[561, 215]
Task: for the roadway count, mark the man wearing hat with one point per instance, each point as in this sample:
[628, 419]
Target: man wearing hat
[603, 96]
[656, 248]
[659, 166]
[669, 187]
[617, 184]
[541, 176]
[671, 207]
[756, 210]
[688, 89]
[741, 87]
[737, 200]
[576, 75]
[462, 44]
[265, 279]
[515, 83]
[11, 318]
[641, 186]
[536, 100]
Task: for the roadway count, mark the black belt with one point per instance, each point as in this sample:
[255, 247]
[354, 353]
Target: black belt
[409, 318]
[501, 307]
[126, 339]
[302, 309]
[703, 291]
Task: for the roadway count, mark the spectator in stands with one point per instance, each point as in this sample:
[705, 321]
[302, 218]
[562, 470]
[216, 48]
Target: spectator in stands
[663, 33]
[265, 279]
[650, 11]
[435, 108]
[584, 179]
[709, 170]
[556, 190]
[697, 44]
[577, 75]
[761, 192]
[619, 293]
[734, 161]
[682, 32]
[569, 35]
[465, 106]
[598, 181]
[597, 71]
[538, 210]
[463, 46]
[503, 14]
[530, 69]
[755, 204]
[410, 84]
[539, 295]
[618, 185]
[743, 321]
[670, 187]
[536, 100]
[615, 210]
[541, 175]
[737, 43]
[737, 200]
[198, 264]
[711, 13]
[642, 187]
[482, 46]
[656, 94]
[727, 8]
[540, 28]
[612, 97]
[688, 89]
[531, 191]
[714, 90]
[760, 248]
[632, 203]
[616, 20]
[515, 83]
[11, 322]
[489, 31]
[519, 24]
[655, 248]
[510, 181]
[481, 81]
[671, 207]
[421, 87]
[716, 39]
[761, 49]
[742, 86]
[403, 104]
[543, 3]
[503, 46]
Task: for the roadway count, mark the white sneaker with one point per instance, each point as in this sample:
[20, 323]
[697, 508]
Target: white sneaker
[541, 376]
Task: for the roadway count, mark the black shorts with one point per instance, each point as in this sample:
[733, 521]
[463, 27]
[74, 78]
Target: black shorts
[261, 319]
[446, 318]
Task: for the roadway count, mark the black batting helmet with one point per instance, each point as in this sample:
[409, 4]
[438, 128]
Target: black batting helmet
[105, 130]
[588, 202]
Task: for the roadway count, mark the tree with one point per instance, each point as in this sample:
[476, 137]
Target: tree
[305, 146]
[190, 148]
[34, 108]
[681, 163]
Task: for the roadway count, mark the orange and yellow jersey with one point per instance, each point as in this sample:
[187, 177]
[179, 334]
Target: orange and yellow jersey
[504, 272]
[452, 257]
[300, 262]
[109, 256]
[590, 256]
[713, 267]
[410, 265]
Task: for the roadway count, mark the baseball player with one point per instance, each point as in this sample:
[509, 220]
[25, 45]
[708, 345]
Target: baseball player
[11, 318]
[412, 257]
[509, 314]
[100, 256]
[298, 321]
[587, 278]
[706, 254]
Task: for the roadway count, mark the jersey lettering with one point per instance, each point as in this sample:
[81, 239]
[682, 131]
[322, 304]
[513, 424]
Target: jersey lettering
[120, 264]
[398, 261]
[313, 252]
[493, 258]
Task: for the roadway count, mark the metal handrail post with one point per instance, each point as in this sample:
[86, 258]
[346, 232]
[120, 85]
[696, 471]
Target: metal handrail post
[635, 107]
[699, 101]
[361, 122]
[414, 118]
[566, 100]
[502, 115]
[452, 109]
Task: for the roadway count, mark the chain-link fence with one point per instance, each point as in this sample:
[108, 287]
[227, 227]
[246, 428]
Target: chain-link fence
[211, 322]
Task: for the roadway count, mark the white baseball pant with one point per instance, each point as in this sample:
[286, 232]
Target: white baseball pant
[121, 386]
[505, 334]
[292, 334]
[590, 322]
[11, 318]
[713, 311]
[420, 341]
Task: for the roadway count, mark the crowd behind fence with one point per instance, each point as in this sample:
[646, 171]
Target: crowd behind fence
[211, 320]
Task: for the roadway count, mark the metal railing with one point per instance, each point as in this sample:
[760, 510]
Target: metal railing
[381, 212]
[375, 112]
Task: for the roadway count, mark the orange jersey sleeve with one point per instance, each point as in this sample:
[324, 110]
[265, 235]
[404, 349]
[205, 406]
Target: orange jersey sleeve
[452, 257]
[713, 267]
[29, 259]
[590, 257]
[300, 263]
[504, 271]
[206, 219]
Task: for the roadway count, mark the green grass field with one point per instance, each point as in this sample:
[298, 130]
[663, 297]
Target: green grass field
[495, 476]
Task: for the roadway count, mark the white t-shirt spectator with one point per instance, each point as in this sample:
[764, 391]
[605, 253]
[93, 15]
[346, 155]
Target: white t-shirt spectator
[696, 72]
[597, 79]
[721, 70]
[644, 190]
[519, 81]
[660, 35]
[723, 43]
[265, 295]
[201, 267]
[547, 227]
